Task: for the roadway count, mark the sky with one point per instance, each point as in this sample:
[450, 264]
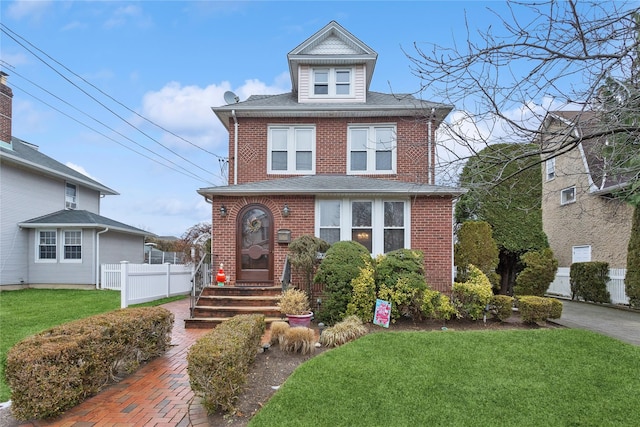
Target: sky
[122, 90]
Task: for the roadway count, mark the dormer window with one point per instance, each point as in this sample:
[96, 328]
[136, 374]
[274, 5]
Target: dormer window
[71, 196]
[332, 82]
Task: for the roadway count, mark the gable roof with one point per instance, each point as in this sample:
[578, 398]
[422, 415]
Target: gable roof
[332, 185]
[581, 124]
[331, 45]
[81, 218]
[25, 155]
[378, 105]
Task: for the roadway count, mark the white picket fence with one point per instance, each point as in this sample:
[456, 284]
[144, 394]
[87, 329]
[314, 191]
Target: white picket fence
[561, 286]
[140, 283]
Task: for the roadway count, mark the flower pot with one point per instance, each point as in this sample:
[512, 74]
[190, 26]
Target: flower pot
[300, 320]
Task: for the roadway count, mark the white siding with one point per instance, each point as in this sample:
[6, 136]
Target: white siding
[116, 247]
[304, 87]
[25, 195]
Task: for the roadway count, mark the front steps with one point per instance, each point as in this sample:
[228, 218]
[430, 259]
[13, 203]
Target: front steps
[219, 303]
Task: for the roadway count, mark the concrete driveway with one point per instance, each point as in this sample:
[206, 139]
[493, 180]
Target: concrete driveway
[611, 321]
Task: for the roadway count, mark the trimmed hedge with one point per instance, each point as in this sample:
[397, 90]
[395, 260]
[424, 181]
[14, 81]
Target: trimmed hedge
[219, 361]
[502, 306]
[535, 309]
[56, 369]
[589, 281]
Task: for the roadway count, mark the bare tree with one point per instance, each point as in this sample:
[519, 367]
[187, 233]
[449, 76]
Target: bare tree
[504, 80]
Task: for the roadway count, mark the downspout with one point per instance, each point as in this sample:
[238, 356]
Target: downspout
[98, 255]
[431, 171]
[235, 147]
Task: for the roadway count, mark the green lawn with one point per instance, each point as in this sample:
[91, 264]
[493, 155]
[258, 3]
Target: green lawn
[26, 312]
[545, 377]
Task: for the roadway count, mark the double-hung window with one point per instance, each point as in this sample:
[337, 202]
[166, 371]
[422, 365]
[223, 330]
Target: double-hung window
[379, 225]
[332, 82]
[72, 245]
[550, 168]
[291, 150]
[372, 149]
[47, 246]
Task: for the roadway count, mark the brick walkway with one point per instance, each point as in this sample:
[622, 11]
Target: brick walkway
[158, 394]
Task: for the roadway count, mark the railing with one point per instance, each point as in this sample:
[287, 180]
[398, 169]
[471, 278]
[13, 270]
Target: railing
[140, 283]
[562, 287]
[285, 279]
[200, 279]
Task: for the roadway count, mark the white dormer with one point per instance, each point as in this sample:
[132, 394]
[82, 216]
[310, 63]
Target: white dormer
[331, 66]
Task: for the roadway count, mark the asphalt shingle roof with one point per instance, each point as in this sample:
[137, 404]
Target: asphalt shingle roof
[332, 185]
[80, 218]
[28, 156]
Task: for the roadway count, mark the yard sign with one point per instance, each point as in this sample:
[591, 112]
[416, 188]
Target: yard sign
[382, 314]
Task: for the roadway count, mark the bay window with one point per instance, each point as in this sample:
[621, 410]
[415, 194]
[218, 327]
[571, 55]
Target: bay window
[379, 225]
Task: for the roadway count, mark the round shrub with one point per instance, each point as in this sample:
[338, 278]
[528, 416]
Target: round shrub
[437, 306]
[540, 270]
[405, 296]
[502, 306]
[472, 297]
[391, 266]
[341, 264]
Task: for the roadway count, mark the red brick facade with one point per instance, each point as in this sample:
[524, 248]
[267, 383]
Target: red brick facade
[331, 147]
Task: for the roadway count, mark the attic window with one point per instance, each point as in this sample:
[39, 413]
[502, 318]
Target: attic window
[332, 82]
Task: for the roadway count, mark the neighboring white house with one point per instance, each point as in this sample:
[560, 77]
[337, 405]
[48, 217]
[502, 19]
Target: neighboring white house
[51, 230]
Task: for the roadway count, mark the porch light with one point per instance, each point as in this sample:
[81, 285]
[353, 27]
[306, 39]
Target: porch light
[223, 211]
[285, 210]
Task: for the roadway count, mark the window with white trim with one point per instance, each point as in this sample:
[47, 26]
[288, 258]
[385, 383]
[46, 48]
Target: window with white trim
[332, 82]
[581, 253]
[291, 150]
[47, 246]
[372, 149]
[379, 225]
[70, 196]
[551, 168]
[568, 195]
[72, 245]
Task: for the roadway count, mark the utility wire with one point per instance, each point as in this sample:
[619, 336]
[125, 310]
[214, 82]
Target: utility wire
[182, 171]
[11, 33]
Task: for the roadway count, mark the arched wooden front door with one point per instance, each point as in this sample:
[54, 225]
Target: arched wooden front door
[254, 244]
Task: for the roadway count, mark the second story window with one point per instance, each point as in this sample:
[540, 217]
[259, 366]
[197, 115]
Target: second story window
[291, 150]
[551, 168]
[329, 82]
[372, 150]
[71, 196]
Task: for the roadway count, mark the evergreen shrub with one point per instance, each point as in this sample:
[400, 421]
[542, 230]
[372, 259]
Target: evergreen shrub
[535, 309]
[218, 362]
[56, 369]
[540, 270]
[589, 281]
[405, 296]
[472, 297]
[632, 279]
[502, 306]
[341, 264]
[363, 300]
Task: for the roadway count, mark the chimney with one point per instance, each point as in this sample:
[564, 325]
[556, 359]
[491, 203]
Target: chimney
[6, 100]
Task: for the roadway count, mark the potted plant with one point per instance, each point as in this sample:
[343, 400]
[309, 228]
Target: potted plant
[294, 303]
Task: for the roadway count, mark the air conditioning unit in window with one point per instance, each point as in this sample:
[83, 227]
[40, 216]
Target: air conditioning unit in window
[71, 205]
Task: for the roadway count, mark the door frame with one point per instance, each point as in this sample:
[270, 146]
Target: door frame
[259, 276]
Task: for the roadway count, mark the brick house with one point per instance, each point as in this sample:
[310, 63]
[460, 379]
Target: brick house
[582, 220]
[331, 159]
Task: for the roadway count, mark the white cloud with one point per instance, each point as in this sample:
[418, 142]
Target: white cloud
[128, 14]
[28, 9]
[81, 170]
[186, 110]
